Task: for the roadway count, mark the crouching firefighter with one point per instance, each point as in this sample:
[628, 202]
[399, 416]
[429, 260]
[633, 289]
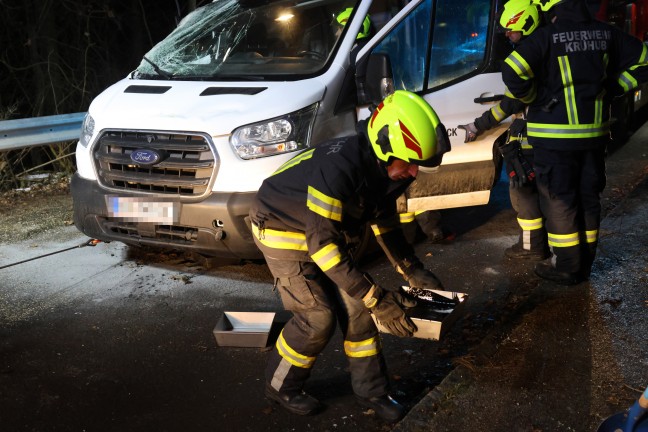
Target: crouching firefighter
[299, 219]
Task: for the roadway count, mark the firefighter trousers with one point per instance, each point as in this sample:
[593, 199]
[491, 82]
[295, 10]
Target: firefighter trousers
[526, 203]
[570, 185]
[316, 304]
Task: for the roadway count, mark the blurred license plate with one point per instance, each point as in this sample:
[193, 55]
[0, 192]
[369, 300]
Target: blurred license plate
[133, 209]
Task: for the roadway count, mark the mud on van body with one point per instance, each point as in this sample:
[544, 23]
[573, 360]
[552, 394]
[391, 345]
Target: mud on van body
[173, 154]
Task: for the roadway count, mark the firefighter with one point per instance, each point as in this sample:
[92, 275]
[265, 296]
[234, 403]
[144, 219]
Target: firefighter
[299, 219]
[519, 19]
[565, 71]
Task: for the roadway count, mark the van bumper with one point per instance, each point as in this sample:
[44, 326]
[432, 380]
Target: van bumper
[217, 226]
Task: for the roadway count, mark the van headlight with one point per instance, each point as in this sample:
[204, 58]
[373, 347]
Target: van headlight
[87, 130]
[275, 136]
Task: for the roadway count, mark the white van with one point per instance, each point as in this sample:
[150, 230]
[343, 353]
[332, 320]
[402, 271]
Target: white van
[173, 154]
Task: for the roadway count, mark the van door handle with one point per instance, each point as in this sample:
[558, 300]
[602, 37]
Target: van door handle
[494, 98]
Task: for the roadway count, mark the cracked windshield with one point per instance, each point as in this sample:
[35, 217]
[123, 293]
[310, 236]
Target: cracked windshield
[248, 40]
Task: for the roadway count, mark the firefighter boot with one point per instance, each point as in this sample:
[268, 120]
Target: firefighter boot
[299, 403]
[547, 271]
[385, 407]
[518, 252]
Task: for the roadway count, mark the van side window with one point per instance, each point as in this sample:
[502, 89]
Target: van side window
[424, 56]
[458, 40]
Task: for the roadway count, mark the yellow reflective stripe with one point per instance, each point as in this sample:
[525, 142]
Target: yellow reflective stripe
[530, 97]
[627, 81]
[563, 240]
[406, 217]
[295, 161]
[324, 205]
[524, 144]
[280, 239]
[366, 348]
[530, 224]
[591, 236]
[508, 93]
[568, 89]
[380, 230]
[292, 356]
[498, 113]
[327, 257]
[519, 65]
[544, 130]
[598, 108]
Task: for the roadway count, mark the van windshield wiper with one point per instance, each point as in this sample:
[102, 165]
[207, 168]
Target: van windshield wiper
[158, 70]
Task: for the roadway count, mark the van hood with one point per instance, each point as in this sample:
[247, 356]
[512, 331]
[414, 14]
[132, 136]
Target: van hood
[199, 106]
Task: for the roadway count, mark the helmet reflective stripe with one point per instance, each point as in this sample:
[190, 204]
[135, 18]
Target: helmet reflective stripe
[404, 126]
[520, 15]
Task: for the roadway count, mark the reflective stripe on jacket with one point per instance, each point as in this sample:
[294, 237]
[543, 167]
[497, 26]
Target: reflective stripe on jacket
[568, 71]
[304, 210]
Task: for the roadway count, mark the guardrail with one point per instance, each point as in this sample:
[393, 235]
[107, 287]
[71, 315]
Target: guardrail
[35, 131]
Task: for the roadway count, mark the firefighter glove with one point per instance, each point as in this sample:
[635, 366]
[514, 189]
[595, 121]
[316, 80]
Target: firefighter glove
[518, 169]
[387, 307]
[471, 131]
[418, 277]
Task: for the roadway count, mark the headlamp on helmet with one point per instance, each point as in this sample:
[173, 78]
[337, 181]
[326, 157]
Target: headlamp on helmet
[404, 126]
[520, 15]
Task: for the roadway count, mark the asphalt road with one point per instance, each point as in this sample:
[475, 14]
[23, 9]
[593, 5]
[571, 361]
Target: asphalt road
[108, 338]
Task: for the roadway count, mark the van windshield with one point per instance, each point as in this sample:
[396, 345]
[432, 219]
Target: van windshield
[248, 40]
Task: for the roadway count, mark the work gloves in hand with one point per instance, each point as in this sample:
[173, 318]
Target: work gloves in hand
[518, 169]
[418, 277]
[387, 307]
[471, 132]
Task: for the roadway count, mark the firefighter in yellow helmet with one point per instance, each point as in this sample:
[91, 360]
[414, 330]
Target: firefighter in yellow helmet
[518, 20]
[365, 31]
[567, 72]
[299, 219]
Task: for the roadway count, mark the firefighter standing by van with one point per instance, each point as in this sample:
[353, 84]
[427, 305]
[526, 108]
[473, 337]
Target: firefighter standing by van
[519, 19]
[565, 71]
[299, 218]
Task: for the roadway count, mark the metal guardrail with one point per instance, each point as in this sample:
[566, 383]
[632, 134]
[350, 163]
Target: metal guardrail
[30, 132]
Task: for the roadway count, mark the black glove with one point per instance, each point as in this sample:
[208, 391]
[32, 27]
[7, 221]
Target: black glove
[418, 277]
[388, 306]
[471, 131]
[518, 169]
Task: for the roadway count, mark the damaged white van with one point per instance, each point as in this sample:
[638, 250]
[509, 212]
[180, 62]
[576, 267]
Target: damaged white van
[172, 155]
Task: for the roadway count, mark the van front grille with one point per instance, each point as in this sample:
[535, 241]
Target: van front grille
[186, 168]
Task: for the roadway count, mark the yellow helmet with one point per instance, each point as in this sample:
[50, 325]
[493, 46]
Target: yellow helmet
[520, 15]
[404, 126]
[343, 17]
[545, 5]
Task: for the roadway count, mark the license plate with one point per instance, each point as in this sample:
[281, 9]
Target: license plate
[132, 209]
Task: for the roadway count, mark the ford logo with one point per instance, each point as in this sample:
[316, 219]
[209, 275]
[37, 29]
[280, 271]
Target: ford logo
[146, 157]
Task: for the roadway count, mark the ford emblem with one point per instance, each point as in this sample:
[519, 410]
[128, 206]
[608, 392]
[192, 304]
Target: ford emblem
[145, 157]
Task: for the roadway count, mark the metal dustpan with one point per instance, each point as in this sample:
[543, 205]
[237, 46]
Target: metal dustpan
[633, 420]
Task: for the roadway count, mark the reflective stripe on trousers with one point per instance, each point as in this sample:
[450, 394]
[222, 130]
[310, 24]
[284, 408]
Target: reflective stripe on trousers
[312, 298]
[569, 185]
